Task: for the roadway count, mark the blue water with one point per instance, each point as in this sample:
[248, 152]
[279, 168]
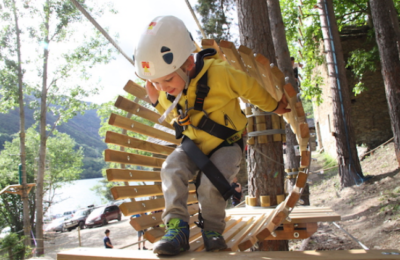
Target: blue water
[77, 194]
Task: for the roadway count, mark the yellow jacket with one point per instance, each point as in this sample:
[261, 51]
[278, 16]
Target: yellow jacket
[221, 104]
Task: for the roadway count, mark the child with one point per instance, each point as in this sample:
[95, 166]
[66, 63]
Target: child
[201, 100]
[106, 239]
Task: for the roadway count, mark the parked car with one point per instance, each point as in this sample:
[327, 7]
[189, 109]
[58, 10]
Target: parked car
[101, 216]
[78, 219]
[57, 225]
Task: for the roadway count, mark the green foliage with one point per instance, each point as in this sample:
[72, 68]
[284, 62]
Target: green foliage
[362, 61]
[12, 247]
[308, 108]
[62, 166]
[216, 18]
[328, 161]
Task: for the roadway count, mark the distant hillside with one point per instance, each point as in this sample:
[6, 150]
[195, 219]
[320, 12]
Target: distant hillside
[83, 128]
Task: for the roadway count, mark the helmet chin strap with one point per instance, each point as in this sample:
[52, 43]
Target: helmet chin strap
[185, 77]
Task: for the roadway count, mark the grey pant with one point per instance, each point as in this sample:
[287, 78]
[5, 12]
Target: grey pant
[178, 170]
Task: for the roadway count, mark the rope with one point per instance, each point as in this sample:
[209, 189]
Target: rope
[90, 18]
[267, 132]
[355, 239]
[269, 158]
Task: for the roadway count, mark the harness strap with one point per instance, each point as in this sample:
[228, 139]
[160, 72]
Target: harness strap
[201, 92]
[207, 167]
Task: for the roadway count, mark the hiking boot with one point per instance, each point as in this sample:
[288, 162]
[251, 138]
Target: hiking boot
[175, 240]
[213, 241]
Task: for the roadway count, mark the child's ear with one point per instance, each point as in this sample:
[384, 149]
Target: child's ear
[190, 64]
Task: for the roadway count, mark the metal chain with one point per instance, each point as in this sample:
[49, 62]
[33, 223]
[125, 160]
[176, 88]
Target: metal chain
[108, 37]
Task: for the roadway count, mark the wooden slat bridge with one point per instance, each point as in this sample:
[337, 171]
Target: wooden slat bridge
[244, 225]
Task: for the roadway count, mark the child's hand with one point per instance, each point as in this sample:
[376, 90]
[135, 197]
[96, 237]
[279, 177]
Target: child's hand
[152, 92]
[282, 104]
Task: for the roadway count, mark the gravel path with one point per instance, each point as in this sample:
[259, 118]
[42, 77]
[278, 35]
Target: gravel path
[122, 234]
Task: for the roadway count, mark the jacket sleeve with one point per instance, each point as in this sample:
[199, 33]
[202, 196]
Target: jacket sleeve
[248, 88]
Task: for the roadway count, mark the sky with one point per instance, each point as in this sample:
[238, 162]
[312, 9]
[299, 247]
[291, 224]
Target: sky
[132, 17]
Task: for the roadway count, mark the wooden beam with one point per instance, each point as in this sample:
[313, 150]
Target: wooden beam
[232, 55]
[250, 63]
[139, 191]
[135, 143]
[210, 43]
[83, 253]
[135, 126]
[264, 68]
[132, 159]
[128, 175]
[137, 207]
[147, 221]
[136, 109]
[137, 91]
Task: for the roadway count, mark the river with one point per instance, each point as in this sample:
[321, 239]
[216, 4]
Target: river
[77, 194]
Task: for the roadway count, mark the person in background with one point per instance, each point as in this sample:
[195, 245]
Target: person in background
[237, 194]
[106, 239]
[141, 236]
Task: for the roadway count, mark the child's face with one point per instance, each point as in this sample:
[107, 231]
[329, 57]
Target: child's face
[173, 84]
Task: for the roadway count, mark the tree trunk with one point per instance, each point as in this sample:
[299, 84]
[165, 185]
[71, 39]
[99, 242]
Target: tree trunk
[265, 176]
[43, 141]
[349, 165]
[25, 201]
[385, 29]
[285, 65]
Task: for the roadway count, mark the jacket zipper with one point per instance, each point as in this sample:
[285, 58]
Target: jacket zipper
[228, 120]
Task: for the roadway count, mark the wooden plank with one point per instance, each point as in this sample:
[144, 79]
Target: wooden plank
[136, 109]
[139, 191]
[210, 43]
[82, 253]
[196, 242]
[264, 68]
[305, 158]
[232, 55]
[292, 199]
[250, 63]
[132, 159]
[137, 207]
[250, 239]
[301, 179]
[132, 125]
[137, 91]
[276, 124]
[279, 78]
[135, 143]
[154, 219]
[147, 221]
[233, 243]
[128, 175]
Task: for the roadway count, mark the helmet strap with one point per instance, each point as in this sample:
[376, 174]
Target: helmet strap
[184, 76]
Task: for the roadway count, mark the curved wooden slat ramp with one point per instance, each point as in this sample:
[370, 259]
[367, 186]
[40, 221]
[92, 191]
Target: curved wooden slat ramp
[244, 225]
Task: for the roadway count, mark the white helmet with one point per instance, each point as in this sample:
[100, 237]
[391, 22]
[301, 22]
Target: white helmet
[163, 48]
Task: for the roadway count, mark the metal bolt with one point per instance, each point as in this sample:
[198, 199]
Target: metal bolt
[135, 190]
[144, 205]
[132, 125]
[288, 219]
[249, 66]
[233, 61]
[273, 234]
[296, 234]
[264, 75]
[129, 158]
[154, 218]
[129, 141]
[138, 110]
[130, 174]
